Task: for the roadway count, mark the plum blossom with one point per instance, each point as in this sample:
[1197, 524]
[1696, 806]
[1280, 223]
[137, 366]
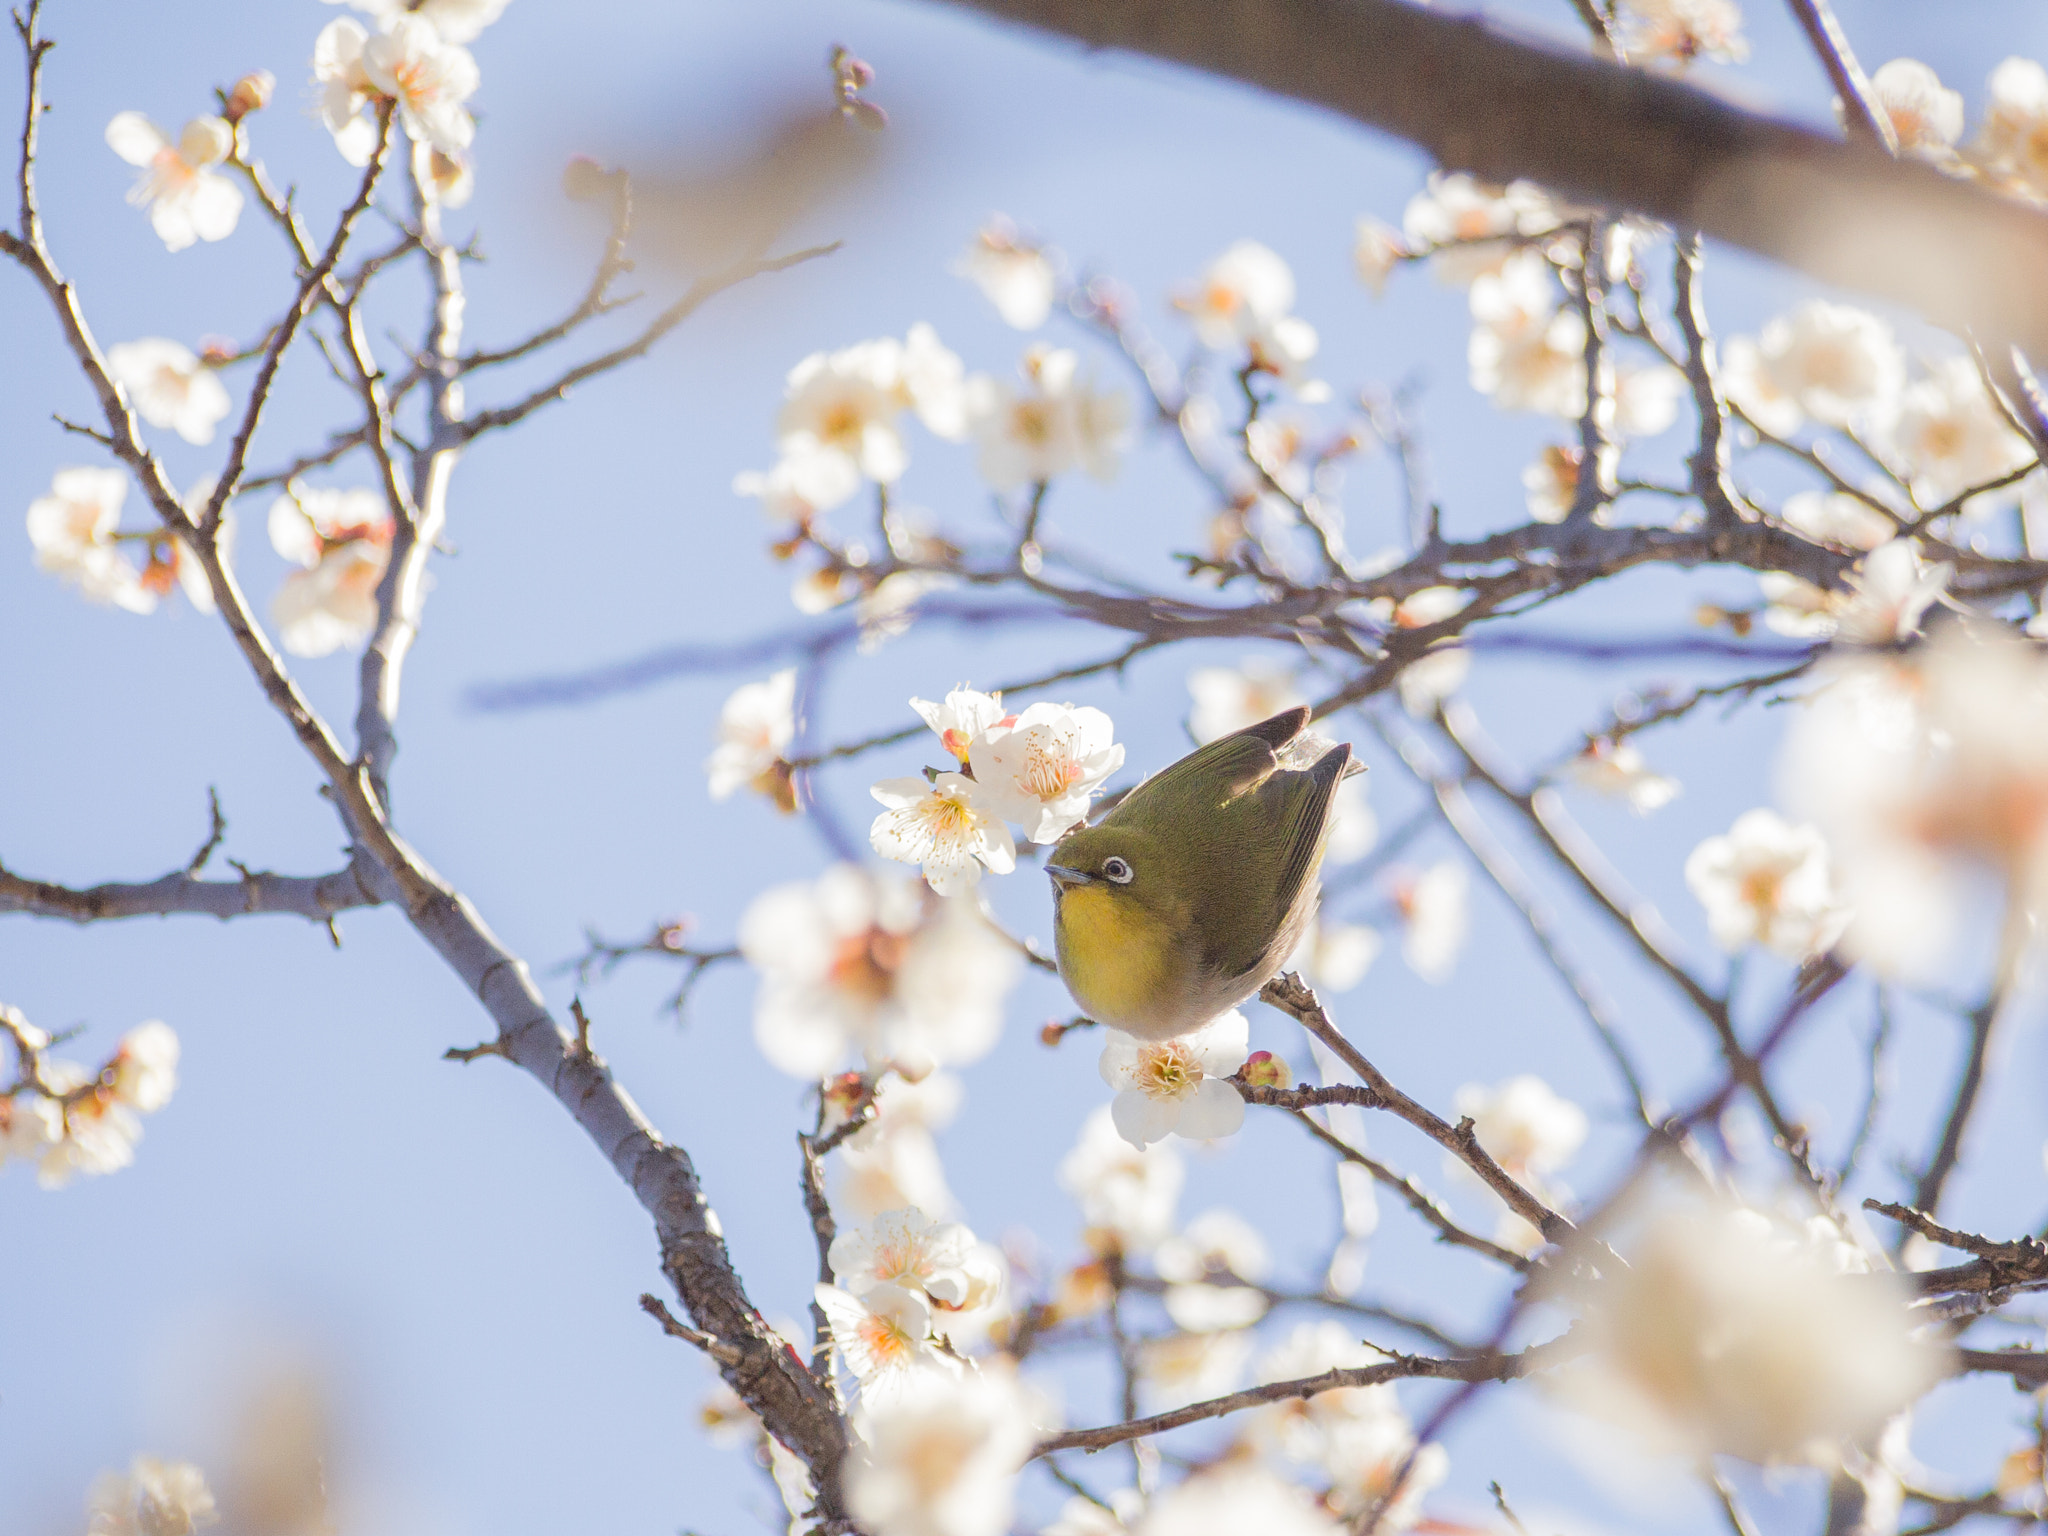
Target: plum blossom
[907, 1248]
[846, 403]
[1126, 1192]
[1208, 1266]
[1183, 1368]
[1440, 671]
[1835, 517]
[1042, 770]
[1335, 956]
[342, 539]
[1617, 768]
[170, 387]
[1753, 388]
[1950, 436]
[952, 827]
[1468, 226]
[1228, 699]
[1241, 296]
[961, 718]
[1177, 1085]
[429, 78]
[93, 1125]
[152, 1498]
[1432, 905]
[1232, 1500]
[883, 1336]
[1527, 351]
[755, 727]
[889, 1165]
[1551, 482]
[1766, 881]
[446, 179]
[1354, 829]
[1646, 397]
[1376, 250]
[1925, 115]
[872, 962]
[1057, 423]
[799, 486]
[1729, 1334]
[73, 532]
[345, 88]
[1524, 1124]
[1085, 1517]
[458, 21]
[1013, 274]
[143, 1071]
[1838, 364]
[1919, 770]
[187, 198]
[1676, 32]
[2013, 141]
[1890, 589]
[941, 1455]
[1358, 1436]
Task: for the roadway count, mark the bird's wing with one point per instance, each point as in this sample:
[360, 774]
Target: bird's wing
[1212, 776]
[1288, 811]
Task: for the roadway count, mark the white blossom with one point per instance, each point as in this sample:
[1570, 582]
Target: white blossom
[1124, 1191]
[907, 1248]
[1840, 364]
[2013, 140]
[1239, 297]
[170, 386]
[1467, 224]
[1234, 1500]
[1013, 274]
[1835, 517]
[1206, 1265]
[1524, 1125]
[1890, 589]
[458, 21]
[941, 1456]
[1228, 699]
[1950, 436]
[1551, 483]
[1918, 771]
[446, 178]
[1183, 1368]
[1727, 1334]
[1646, 398]
[1926, 116]
[1354, 829]
[1528, 350]
[755, 727]
[187, 198]
[933, 383]
[1766, 881]
[1752, 386]
[1176, 1085]
[1335, 956]
[144, 1067]
[343, 541]
[1376, 250]
[152, 1498]
[29, 1126]
[847, 403]
[345, 88]
[1042, 771]
[870, 962]
[1617, 768]
[72, 531]
[961, 718]
[887, 1166]
[1056, 423]
[800, 485]
[951, 827]
[884, 1336]
[1433, 910]
[1677, 32]
[428, 77]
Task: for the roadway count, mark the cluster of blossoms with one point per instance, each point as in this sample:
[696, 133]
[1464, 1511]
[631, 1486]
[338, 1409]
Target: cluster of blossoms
[77, 537]
[152, 1498]
[1243, 304]
[1531, 1131]
[69, 1120]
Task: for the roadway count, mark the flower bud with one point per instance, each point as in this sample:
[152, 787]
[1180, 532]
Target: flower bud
[1262, 1069]
[251, 94]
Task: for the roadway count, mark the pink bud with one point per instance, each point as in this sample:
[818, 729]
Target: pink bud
[1262, 1069]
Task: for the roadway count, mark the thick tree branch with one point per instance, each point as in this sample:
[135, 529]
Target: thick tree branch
[1503, 107]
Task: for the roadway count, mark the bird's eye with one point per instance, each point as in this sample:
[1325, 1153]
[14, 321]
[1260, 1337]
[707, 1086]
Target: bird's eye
[1117, 870]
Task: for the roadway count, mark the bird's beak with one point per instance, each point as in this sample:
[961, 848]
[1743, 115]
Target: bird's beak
[1066, 878]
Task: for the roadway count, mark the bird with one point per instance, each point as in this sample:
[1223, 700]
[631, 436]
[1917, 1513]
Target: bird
[1193, 890]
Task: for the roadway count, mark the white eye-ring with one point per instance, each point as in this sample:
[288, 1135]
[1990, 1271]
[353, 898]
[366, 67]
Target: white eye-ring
[1117, 870]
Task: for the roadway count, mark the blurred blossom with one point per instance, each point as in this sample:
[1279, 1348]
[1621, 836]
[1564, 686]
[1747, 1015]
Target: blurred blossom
[152, 1498]
[1766, 881]
[1528, 350]
[1677, 32]
[1181, 1368]
[72, 531]
[1730, 1334]
[345, 88]
[869, 962]
[1376, 250]
[1890, 589]
[1222, 1244]
[169, 387]
[941, 1455]
[1835, 517]
[187, 198]
[1752, 386]
[1949, 435]
[1524, 1125]
[1617, 768]
[961, 718]
[1926, 116]
[458, 21]
[1335, 956]
[951, 827]
[1835, 363]
[1551, 482]
[1433, 909]
[1042, 769]
[1646, 397]
[428, 77]
[755, 727]
[1056, 423]
[1354, 829]
[445, 178]
[886, 1166]
[907, 1248]
[1126, 1193]
[1175, 1086]
[2013, 140]
[803, 483]
[1431, 678]
[1233, 1500]
[1013, 274]
[1919, 769]
[1467, 223]
[1229, 699]
[1085, 1517]
[343, 541]
[1240, 297]
[846, 403]
[883, 1335]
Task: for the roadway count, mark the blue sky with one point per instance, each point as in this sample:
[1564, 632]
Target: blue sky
[438, 1243]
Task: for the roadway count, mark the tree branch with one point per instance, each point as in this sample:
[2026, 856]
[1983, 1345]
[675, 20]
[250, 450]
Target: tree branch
[315, 897]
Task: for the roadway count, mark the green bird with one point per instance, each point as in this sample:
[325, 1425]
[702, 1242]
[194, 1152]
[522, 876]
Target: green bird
[1191, 893]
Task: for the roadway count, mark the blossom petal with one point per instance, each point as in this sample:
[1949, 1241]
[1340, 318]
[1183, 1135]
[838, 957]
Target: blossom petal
[1213, 1109]
[1141, 1119]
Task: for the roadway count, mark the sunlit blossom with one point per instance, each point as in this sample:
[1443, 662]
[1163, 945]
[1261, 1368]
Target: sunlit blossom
[755, 727]
[1550, 483]
[1840, 364]
[800, 485]
[1126, 1193]
[1950, 436]
[1835, 517]
[2013, 140]
[1057, 422]
[1176, 1085]
[1617, 769]
[1229, 699]
[961, 718]
[72, 533]
[1214, 1267]
[170, 387]
[1354, 828]
[1376, 250]
[188, 199]
[1890, 589]
[1233, 1500]
[1014, 275]
[1524, 1124]
[1183, 1368]
[940, 1455]
[951, 827]
[883, 1336]
[1240, 296]
[1335, 956]
[1766, 881]
[1466, 224]
[1432, 905]
[458, 21]
[1528, 350]
[153, 1497]
[1043, 770]
[1678, 32]
[428, 77]
[342, 539]
[847, 403]
[907, 1248]
[1926, 117]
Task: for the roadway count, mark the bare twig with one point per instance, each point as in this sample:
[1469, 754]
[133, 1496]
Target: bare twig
[1862, 115]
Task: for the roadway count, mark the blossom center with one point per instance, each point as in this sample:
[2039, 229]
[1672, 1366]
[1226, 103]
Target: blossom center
[1168, 1071]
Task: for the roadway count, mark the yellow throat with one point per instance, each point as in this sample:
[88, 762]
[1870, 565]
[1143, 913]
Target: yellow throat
[1117, 959]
